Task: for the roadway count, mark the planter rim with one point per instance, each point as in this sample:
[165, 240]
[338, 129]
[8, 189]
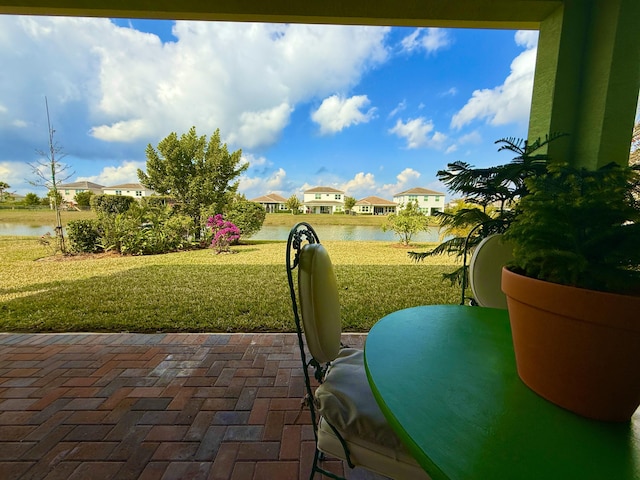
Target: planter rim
[592, 306]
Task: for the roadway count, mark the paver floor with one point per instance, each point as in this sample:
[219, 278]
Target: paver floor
[163, 406]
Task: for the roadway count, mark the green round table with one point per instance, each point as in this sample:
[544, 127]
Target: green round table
[445, 378]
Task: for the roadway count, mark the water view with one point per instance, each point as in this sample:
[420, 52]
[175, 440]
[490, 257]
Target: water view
[325, 232]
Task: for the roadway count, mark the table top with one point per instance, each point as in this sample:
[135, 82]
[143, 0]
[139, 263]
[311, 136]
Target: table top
[446, 380]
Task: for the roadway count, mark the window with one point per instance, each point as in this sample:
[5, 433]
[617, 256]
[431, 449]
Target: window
[365, 208]
[413, 198]
[66, 192]
[338, 196]
[426, 198]
[318, 196]
[138, 193]
[437, 198]
[80, 190]
[118, 192]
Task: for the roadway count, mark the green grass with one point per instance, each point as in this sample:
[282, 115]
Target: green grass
[199, 291]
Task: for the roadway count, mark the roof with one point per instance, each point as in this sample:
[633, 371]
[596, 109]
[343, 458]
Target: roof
[418, 191]
[322, 202]
[85, 185]
[323, 190]
[270, 198]
[130, 186]
[375, 201]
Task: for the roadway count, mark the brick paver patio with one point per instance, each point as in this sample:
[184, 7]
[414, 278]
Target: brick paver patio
[163, 406]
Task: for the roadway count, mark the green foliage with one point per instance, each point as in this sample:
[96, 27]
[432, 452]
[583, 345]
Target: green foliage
[83, 199]
[349, 203]
[54, 197]
[293, 204]
[31, 199]
[84, 236]
[195, 173]
[581, 228]
[110, 204]
[146, 230]
[490, 195]
[247, 216]
[407, 222]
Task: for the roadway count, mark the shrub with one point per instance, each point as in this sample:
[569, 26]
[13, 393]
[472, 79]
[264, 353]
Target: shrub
[247, 216]
[110, 204]
[224, 233]
[84, 236]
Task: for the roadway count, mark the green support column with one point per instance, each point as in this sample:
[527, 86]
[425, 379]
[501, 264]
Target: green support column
[587, 80]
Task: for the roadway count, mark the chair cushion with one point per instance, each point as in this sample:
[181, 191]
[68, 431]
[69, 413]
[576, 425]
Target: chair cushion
[485, 271]
[318, 292]
[345, 400]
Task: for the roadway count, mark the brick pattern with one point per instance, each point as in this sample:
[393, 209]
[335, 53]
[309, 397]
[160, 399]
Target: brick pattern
[163, 406]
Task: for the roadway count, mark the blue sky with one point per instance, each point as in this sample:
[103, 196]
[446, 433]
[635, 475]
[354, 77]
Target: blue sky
[369, 110]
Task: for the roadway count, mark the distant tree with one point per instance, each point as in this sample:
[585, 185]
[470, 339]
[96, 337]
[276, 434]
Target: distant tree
[293, 203]
[83, 199]
[407, 222]
[3, 189]
[196, 173]
[31, 199]
[349, 203]
[247, 216]
[634, 156]
[50, 173]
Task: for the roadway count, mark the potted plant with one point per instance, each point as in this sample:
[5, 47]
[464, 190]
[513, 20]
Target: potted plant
[573, 289]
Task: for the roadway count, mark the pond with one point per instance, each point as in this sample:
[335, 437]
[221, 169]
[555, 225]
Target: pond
[325, 232]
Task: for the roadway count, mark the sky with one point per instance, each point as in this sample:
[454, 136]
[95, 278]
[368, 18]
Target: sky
[367, 110]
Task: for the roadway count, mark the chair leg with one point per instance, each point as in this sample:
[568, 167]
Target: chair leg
[317, 457]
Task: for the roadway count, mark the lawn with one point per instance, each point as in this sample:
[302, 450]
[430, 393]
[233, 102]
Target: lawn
[199, 291]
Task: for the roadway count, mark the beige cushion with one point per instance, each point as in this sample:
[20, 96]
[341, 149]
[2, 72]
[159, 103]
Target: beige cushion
[485, 271]
[346, 401]
[318, 292]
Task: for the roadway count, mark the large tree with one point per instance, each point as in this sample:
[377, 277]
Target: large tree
[197, 173]
[3, 188]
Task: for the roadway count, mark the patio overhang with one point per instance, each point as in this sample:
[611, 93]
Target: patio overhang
[587, 73]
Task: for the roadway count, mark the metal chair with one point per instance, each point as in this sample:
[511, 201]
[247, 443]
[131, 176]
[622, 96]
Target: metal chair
[347, 422]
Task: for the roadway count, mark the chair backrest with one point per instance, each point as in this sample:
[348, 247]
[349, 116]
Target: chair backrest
[485, 271]
[317, 294]
[319, 303]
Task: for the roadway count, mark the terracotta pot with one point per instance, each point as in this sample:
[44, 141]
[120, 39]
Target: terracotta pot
[578, 348]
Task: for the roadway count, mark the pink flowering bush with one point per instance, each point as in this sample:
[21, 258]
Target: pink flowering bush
[224, 233]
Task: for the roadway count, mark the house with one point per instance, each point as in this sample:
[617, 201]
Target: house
[375, 206]
[135, 190]
[272, 202]
[323, 200]
[69, 190]
[429, 201]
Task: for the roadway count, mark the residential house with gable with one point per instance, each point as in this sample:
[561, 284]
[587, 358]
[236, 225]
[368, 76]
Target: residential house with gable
[69, 190]
[272, 202]
[429, 201]
[135, 190]
[323, 200]
[375, 206]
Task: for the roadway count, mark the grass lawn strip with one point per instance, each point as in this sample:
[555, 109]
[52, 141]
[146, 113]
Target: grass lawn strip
[199, 291]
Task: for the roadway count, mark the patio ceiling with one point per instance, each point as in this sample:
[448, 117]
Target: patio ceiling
[587, 73]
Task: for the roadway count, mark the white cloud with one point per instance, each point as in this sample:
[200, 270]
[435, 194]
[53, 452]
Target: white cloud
[451, 149]
[361, 185]
[509, 102]
[19, 123]
[399, 108]
[127, 172]
[337, 113]
[276, 182]
[418, 133]
[406, 179]
[428, 39]
[16, 174]
[122, 85]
